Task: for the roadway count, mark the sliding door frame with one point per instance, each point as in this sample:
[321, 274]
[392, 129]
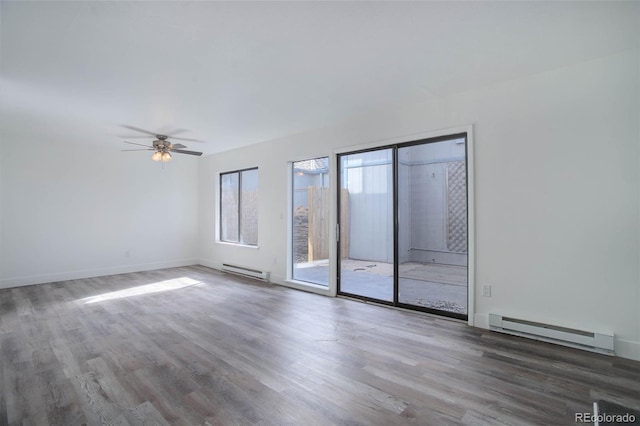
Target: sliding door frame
[396, 231]
[465, 132]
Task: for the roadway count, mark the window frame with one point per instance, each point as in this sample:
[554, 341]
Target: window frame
[238, 240]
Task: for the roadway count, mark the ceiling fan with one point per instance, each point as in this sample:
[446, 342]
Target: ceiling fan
[162, 147]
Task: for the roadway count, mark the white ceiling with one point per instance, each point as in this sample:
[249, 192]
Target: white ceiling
[238, 73]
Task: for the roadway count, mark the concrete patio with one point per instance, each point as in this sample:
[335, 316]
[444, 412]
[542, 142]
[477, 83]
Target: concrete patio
[442, 287]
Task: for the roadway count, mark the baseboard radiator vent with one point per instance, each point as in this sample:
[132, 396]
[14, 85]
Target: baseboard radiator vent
[245, 272]
[587, 340]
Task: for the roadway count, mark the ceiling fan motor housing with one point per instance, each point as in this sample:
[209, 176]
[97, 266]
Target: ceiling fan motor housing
[161, 143]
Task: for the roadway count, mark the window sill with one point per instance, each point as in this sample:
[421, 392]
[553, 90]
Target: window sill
[227, 243]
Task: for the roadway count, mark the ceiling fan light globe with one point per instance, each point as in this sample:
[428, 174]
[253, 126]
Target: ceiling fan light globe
[166, 157]
[157, 156]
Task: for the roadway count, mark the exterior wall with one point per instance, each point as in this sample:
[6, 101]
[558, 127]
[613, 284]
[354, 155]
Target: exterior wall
[369, 181]
[430, 213]
[423, 198]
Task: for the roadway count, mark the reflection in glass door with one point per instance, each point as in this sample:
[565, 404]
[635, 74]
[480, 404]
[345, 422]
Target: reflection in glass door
[432, 226]
[366, 225]
[403, 225]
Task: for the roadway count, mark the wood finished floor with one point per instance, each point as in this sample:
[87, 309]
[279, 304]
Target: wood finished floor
[192, 346]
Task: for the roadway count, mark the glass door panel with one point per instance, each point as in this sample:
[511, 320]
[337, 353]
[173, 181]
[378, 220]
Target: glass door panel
[432, 226]
[366, 225]
[311, 221]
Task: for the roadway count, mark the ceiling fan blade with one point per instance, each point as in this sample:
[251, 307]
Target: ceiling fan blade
[137, 129]
[182, 151]
[177, 146]
[147, 149]
[188, 140]
[174, 132]
[139, 144]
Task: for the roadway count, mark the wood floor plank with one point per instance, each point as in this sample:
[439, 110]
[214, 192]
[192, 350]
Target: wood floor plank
[23, 396]
[96, 405]
[65, 357]
[149, 382]
[61, 402]
[110, 384]
[22, 303]
[194, 346]
[145, 414]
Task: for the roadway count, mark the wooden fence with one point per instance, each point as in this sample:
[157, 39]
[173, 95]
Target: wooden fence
[318, 223]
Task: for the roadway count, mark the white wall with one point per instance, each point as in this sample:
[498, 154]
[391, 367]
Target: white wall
[557, 192]
[78, 211]
[1, 212]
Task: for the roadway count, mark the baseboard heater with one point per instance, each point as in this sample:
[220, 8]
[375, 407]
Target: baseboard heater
[587, 340]
[246, 272]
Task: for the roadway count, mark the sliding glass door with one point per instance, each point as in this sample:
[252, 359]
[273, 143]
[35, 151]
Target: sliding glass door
[432, 226]
[366, 225]
[403, 225]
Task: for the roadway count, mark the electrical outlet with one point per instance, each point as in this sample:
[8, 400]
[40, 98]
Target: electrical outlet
[486, 291]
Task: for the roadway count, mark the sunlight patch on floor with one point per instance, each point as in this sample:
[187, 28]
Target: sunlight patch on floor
[161, 286]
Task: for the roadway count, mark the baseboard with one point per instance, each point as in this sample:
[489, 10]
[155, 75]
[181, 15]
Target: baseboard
[627, 349]
[218, 266]
[278, 280]
[623, 348]
[91, 273]
[210, 264]
[481, 321]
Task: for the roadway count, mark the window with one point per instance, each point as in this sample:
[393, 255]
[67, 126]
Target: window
[310, 216]
[239, 207]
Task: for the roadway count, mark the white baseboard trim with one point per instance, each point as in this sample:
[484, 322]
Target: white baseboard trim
[481, 321]
[218, 266]
[91, 273]
[627, 349]
[210, 264]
